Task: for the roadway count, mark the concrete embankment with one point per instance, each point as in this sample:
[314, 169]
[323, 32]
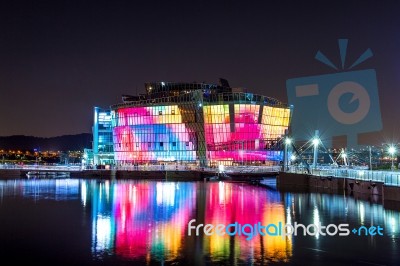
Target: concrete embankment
[307, 182]
[187, 175]
[137, 174]
[118, 174]
[391, 193]
[11, 174]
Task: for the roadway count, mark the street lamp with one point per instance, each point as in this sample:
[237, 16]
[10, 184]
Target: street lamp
[392, 151]
[315, 141]
[344, 156]
[288, 141]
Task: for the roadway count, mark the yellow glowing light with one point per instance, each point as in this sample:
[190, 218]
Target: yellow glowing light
[276, 246]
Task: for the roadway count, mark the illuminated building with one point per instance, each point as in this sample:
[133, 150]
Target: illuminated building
[102, 152]
[198, 123]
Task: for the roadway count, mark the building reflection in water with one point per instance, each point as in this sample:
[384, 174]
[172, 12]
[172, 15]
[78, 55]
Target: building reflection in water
[139, 220]
[146, 221]
[151, 218]
[227, 203]
[101, 195]
[41, 189]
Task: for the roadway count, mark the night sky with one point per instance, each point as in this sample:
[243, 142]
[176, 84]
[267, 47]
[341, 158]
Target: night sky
[59, 59]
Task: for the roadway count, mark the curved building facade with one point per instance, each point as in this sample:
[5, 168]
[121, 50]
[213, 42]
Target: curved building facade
[197, 123]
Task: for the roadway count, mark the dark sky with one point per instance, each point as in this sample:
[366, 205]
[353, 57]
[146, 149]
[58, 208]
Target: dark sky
[58, 59]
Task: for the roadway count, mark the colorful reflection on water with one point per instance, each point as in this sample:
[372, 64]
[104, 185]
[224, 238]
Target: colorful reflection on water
[44, 189]
[146, 222]
[227, 203]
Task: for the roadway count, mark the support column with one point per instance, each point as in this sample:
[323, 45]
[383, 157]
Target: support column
[95, 130]
[315, 143]
[286, 159]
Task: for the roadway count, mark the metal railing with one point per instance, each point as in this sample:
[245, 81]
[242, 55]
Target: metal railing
[252, 169]
[69, 168]
[390, 178]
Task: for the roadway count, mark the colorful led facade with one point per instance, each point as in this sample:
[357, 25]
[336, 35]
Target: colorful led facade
[197, 123]
[151, 134]
[250, 140]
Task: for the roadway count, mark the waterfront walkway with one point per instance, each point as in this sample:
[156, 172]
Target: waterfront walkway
[77, 168]
[42, 168]
[168, 171]
[389, 178]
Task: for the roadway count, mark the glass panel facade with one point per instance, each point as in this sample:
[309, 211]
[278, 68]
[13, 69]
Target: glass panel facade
[103, 146]
[152, 134]
[198, 123]
[235, 138]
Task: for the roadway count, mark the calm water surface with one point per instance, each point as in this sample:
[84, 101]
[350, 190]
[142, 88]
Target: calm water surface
[93, 222]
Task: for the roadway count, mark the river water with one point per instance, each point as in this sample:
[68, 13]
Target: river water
[98, 222]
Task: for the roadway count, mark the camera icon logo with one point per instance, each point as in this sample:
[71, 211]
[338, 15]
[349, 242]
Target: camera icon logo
[359, 93]
[344, 103]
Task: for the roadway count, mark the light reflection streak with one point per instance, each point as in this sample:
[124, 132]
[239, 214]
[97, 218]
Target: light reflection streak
[42, 189]
[316, 220]
[83, 193]
[103, 233]
[362, 212]
[393, 224]
[103, 224]
[165, 193]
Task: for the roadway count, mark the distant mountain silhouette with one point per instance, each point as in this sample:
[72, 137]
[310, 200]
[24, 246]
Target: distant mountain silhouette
[60, 143]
